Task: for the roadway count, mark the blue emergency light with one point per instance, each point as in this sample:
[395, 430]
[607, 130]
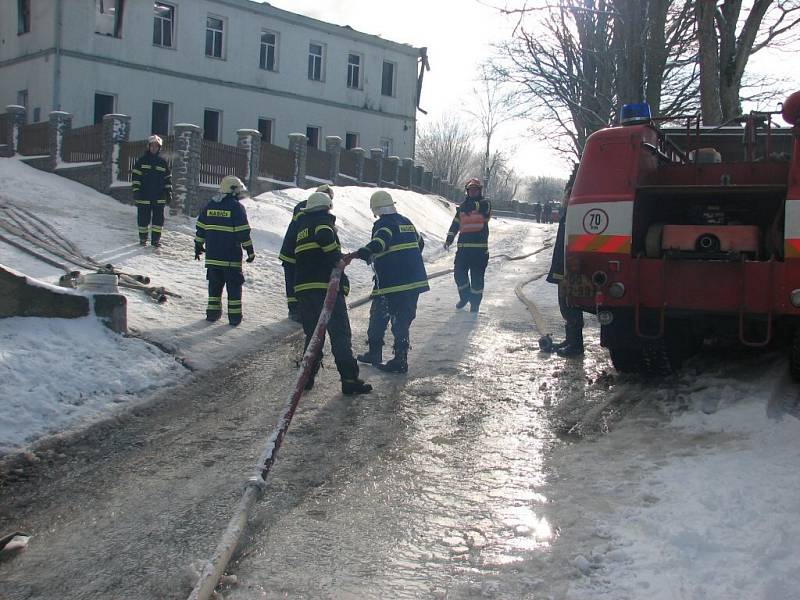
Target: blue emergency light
[632, 114]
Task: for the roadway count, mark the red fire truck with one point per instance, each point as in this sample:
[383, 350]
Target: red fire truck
[679, 234]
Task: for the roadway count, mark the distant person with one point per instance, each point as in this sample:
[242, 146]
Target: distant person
[286, 256]
[537, 212]
[151, 183]
[222, 232]
[547, 211]
[317, 251]
[396, 253]
[471, 224]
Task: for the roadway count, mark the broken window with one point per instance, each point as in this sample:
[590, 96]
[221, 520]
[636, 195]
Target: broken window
[108, 17]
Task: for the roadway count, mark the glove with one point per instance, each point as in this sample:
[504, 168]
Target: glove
[364, 254]
[251, 256]
[198, 250]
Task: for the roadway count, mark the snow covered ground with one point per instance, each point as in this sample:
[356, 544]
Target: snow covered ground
[692, 494]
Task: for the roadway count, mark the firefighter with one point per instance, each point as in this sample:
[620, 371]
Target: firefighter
[286, 255]
[396, 252]
[537, 211]
[316, 252]
[573, 317]
[471, 223]
[222, 233]
[152, 191]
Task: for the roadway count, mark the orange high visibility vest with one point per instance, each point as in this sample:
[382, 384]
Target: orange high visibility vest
[471, 222]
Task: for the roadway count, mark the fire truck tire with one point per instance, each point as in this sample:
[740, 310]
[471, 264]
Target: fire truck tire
[652, 240]
[794, 359]
[626, 359]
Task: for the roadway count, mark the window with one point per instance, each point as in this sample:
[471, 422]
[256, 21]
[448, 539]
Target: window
[267, 59]
[108, 17]
[211, 124]
[354, 71]
[103, 105]
[386, 147]
[350, 141]
[23, 16]
[159, 121]
[214, 29]
[22, 98]
[312, 136]
[37, 114]
[265, 129]
[163, 24]
[387, 81]
[315, 62]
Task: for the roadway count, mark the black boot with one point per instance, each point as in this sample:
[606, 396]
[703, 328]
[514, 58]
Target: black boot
[310, 381]
[213, 315]
[462, 303]
[373, 356]
[398, 364]
[294, 314]
[351, 387]
[143, 240]
[570, 349]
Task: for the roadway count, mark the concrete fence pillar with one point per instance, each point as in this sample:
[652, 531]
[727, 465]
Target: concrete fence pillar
[116, 130]
[17, 117]
[186, 167]
[436, 184]
[418, 176]
[60, 124]
[333, 146]
[376, 154]
[408, 167]
[298, 143]
[392, 167]
[359, 152]
[250, 141]
[427, 181]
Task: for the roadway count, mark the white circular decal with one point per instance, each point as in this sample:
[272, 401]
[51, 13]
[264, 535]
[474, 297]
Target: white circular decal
[595, 221]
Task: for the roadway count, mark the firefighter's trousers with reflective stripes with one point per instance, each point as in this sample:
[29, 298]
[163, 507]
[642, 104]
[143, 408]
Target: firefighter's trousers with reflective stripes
[468, 271]
[573, 319]
[288, 280]
[401, 310]
[147, 214]
[231, 280]
[311, 303]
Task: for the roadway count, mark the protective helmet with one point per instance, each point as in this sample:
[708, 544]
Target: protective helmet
[380, 199]
[318, 201]
[154, 139]
[231, 184]
[326, 189]
[474, 183]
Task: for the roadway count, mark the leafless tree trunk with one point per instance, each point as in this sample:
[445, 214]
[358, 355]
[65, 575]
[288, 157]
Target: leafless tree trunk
[446, 148]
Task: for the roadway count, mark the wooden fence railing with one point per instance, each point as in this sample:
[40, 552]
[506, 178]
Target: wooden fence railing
[370, 170]
[318, 163]
[130, 152]
[34, 139]
[84, 144]
[348, 163]
[276, 162]
[218, 160]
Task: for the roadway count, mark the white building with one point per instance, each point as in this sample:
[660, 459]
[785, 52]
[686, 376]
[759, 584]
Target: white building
[221, 64]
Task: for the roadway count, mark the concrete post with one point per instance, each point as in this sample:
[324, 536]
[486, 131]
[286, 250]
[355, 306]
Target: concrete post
[250, 140]
[427, 181]
[60, 124]
[116, 130]
[186, 167]
[436, 185]
[359, 152]
[376, 154]
[17, 117]
[333, 146]
[299, 145]
[392, 167]
[408, 167]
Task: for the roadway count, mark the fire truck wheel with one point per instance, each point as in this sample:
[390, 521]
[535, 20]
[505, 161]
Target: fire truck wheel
[652, 240]
[626, 359]
[794, 359]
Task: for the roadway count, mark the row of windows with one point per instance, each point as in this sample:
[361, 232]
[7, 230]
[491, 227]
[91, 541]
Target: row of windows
[108, 21]
[105, 104]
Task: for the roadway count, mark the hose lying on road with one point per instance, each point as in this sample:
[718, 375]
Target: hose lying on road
[254, 488]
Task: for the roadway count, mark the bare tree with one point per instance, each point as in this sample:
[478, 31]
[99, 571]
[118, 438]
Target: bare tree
[541, 189]
[446, 148]
[504, 183]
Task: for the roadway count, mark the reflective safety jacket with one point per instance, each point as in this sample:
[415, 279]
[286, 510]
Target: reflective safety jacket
[286, 254]
[396, 248]
[316, 251]
[151, 180]
[223, 227]
[471, 224]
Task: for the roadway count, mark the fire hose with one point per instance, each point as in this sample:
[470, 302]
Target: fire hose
[256, 484]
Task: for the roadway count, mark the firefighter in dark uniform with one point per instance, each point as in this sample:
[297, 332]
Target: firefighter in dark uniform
[286, 255]
[222, 232]
[400, 277]
[573, 317]
[316, 252]
[151, 183]
[471, 223]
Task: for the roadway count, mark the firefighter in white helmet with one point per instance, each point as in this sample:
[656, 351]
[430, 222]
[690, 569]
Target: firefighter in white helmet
[396, 253]
[222, 232]
[151, 183]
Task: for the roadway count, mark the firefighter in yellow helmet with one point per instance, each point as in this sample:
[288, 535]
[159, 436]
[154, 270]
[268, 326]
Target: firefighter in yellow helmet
[222, 232]
[151, 183]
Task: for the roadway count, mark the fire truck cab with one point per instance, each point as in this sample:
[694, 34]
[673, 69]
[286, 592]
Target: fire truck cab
[678, 234]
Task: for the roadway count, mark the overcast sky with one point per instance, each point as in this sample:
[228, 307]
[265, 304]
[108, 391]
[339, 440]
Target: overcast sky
[458, 35]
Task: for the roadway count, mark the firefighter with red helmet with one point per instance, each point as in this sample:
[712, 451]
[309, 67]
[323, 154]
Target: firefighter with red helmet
[151, 183]
[471, 225]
